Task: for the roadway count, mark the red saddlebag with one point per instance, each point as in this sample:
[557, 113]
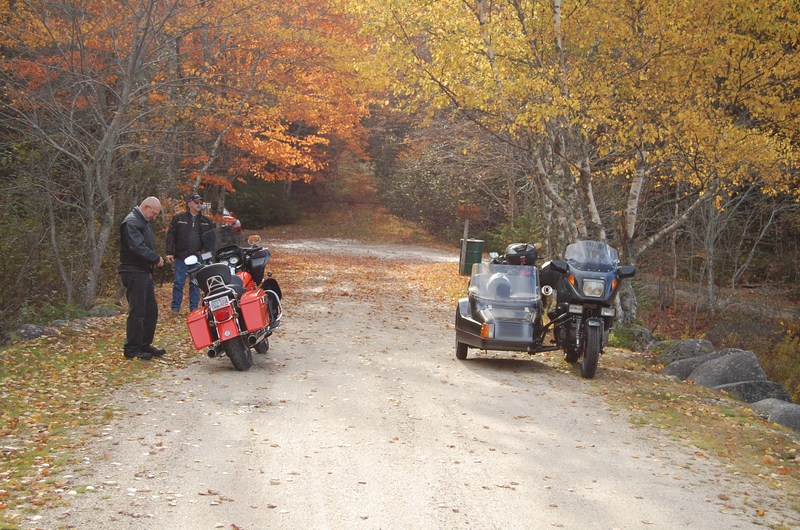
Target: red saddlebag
[254, 309]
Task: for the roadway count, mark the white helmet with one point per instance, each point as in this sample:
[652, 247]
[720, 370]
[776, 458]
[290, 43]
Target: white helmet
[499, 285]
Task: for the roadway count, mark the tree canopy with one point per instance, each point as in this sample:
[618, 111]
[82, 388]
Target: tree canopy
[104, 92]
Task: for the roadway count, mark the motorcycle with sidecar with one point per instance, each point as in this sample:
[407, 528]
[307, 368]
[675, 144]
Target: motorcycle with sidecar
[506, 300]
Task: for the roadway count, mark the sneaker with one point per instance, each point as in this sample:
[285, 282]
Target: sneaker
[138, 355]
[153, 351]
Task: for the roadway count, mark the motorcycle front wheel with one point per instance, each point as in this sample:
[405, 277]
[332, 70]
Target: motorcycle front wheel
[591, 352]
[240, 355]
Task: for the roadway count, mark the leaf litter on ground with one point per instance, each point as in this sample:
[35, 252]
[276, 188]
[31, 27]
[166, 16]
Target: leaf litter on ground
[56, 390]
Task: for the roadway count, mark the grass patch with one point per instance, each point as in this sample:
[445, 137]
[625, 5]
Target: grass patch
[55, 394]
[708, 420]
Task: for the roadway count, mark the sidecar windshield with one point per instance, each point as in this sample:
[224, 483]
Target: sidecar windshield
[220, 237]
[504, 283]
[592, 256]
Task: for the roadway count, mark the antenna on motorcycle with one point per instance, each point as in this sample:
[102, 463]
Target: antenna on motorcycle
[254, 239]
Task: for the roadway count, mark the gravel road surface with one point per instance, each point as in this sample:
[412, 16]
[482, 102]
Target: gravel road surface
[360, 417]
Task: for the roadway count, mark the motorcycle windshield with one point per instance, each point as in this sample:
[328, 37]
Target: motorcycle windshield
[592, 256]
[505, 283]
[220, 237]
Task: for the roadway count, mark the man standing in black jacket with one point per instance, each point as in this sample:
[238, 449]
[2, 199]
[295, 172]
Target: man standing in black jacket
[137, 259]
[184, 238]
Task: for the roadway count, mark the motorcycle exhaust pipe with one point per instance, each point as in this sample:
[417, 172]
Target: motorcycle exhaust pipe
[547, 290]
[252, 339]
[212, 353]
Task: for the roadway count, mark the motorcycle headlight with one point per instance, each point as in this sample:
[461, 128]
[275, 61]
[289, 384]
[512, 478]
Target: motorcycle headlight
[594, 288]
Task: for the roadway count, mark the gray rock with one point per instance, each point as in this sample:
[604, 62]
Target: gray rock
[104, 310]
[768, 406]
[77, 325]
[641, 336]
[681, 369]
[32, 331]
[735, 367]
[671, 351]
[754, 391]
[788, 416]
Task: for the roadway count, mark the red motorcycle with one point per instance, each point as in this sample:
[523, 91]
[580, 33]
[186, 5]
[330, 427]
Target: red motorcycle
[241, 307]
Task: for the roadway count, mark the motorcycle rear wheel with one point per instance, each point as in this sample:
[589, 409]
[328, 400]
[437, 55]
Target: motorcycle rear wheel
[240, 355]
[591, 352]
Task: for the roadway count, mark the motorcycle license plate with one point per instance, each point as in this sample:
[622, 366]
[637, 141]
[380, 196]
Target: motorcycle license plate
[218, 303]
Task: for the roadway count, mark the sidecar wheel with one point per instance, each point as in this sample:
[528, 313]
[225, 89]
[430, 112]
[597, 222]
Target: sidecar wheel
[461, 351]
[240, 355]
[591, 353]
[262, 346]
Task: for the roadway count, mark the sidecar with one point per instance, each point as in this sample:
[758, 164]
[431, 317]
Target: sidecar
[502, 310]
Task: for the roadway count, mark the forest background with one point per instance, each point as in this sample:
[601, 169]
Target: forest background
[670, 132]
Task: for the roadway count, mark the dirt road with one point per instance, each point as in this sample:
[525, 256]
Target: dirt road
[361, 417]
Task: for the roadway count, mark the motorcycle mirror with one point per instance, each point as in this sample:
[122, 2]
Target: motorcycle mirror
[626, 271]
[493, 255]
[191, 260]
[254, 239]
[559, 266]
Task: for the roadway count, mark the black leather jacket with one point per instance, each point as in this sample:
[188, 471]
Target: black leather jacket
[137, 244]
[178, 234]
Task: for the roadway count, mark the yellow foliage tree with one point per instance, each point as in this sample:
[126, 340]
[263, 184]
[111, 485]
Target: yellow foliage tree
[634, 95]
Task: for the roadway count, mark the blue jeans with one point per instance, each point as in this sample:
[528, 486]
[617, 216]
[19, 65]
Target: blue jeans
[177, 288]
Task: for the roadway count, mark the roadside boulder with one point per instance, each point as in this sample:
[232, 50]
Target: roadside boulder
[681, 369]
[768, 406]
[675, 350]
[754, 391]
[735, 367]
[105, 310]
[31, 331]
[788, 416]
[780, 412]
[641, 337]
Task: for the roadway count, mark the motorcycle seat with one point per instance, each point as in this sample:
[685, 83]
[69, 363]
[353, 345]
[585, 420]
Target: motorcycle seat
[213, 277]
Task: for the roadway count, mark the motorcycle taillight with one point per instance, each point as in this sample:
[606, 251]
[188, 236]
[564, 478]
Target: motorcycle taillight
[223, 314]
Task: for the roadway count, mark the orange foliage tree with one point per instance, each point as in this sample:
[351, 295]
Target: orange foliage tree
[273, 88]
[111, 92]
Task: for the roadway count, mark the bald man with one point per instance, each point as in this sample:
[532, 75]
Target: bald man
[137, 259]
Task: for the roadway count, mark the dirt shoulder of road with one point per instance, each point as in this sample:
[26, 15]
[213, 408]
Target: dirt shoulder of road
[361, 417]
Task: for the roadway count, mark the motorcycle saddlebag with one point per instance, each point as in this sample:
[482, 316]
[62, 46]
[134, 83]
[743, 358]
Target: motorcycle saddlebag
[198, 328]
[254, 309]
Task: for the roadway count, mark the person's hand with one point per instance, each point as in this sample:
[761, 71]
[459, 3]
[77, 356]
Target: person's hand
[170, 258]
[160, 262]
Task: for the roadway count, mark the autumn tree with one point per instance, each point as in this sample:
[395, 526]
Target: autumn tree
[278, 97]
[631, 96]
[122, 100]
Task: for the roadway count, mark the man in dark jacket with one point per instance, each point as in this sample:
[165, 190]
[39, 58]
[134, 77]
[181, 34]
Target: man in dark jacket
[184, 238]
[137, 259]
